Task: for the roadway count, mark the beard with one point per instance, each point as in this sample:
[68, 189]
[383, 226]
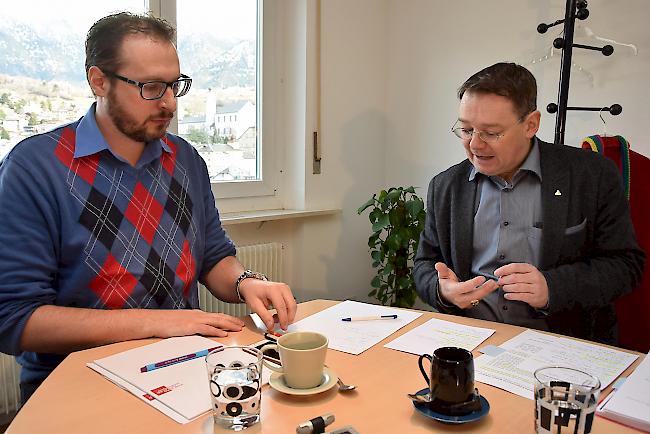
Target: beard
[139, 131]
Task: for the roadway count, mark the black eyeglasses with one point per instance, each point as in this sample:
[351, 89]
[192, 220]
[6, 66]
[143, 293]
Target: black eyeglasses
[150, 90]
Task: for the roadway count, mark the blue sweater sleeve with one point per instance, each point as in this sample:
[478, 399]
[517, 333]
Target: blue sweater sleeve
[28, 254]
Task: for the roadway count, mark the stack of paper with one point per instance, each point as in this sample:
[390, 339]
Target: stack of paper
[630, 404]
[180, 390]
[512, 367]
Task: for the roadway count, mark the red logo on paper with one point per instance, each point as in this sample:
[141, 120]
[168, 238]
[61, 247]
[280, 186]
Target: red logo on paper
[149, 397]
[160, 390]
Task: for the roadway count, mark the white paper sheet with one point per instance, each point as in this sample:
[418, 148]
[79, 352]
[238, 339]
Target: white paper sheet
[513, 369]
[356, 336]
[437, 333]
[630, 404]
[142, 395]
[186, 384]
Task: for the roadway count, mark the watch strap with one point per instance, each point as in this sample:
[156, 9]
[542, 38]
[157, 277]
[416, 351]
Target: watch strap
[247, 274]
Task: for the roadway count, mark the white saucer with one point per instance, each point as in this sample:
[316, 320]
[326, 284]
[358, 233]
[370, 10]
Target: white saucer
[329, 380]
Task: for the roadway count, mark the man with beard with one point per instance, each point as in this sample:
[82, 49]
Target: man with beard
[109, 222]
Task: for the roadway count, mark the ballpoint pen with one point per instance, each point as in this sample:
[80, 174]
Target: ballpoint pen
[369, 318]
[179, 359]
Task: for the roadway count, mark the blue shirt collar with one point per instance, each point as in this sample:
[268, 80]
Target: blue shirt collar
[531, 163]
[91, 141]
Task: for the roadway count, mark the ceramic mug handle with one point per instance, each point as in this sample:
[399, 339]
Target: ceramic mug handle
[424, 373]
[268, 364]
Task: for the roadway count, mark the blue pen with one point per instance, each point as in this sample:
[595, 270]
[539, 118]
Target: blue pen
[369, 318]
[186, 357]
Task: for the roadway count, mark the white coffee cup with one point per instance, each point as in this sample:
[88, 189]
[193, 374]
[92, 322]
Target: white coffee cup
[303, 358]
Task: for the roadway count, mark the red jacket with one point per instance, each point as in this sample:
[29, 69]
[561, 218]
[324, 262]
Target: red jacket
[633, 310]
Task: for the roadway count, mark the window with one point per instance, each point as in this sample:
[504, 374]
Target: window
[42, 74]
[219, 46]
[43, 83]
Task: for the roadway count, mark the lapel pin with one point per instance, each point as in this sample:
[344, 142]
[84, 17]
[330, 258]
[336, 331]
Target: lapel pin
[557, 193]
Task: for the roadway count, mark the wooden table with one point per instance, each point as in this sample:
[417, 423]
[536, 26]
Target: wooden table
[75, 399]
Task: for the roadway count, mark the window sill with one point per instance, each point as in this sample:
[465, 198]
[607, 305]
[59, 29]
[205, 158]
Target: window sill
[236, 218]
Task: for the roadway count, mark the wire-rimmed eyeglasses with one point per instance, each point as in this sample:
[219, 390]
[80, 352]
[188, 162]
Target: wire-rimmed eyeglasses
[466, 134]
[155, 89]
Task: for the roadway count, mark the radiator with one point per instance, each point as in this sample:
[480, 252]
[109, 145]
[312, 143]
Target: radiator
[9, 389]
[265, 258]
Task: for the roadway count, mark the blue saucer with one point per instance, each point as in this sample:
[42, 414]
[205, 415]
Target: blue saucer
[423, 409]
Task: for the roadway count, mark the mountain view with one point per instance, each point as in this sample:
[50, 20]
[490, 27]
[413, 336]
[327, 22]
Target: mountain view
[43, 85]
[31, 52]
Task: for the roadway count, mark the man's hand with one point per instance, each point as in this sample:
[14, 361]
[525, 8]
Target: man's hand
[183, 322]
[462, 294]
[523, 282]
[260, 295]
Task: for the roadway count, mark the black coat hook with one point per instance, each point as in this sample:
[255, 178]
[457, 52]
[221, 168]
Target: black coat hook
[614, 109]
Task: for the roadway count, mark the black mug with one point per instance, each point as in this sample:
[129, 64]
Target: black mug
[451, 381]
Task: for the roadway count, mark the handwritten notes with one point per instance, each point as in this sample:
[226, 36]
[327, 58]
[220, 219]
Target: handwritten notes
[355, 337]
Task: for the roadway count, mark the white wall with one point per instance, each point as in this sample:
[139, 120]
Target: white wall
[390, 70]
[327, 257]
[435, 45]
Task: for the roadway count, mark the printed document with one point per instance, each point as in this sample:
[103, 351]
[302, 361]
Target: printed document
[437, 333]
[512, 370]
[180, 391]
[355, 337]
[630, 404]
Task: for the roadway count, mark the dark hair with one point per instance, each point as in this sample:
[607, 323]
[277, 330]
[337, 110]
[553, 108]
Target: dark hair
[105, 37]
[505, 79]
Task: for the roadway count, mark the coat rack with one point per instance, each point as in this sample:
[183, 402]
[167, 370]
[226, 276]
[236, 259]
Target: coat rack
[574, 9]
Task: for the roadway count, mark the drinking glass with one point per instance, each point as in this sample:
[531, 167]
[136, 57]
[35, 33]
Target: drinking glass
[565, 400]
[235, 376]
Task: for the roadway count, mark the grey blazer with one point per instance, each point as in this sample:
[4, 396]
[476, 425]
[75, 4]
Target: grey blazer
[589, 254]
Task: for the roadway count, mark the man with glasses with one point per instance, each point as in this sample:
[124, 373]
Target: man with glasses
[525, 232]
[109, 222]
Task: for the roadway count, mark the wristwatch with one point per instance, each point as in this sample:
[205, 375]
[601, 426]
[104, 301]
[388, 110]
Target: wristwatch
[247, 274]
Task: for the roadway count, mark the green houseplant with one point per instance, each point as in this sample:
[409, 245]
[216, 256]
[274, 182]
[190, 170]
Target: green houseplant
[397, 218]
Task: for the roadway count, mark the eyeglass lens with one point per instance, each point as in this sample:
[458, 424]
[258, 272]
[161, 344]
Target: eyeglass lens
[156, 89]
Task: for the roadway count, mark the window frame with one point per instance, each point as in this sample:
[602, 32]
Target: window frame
[262, 193]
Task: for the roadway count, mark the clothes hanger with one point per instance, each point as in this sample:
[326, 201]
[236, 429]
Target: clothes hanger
[551, 54]
[584, 31]
[600, 114]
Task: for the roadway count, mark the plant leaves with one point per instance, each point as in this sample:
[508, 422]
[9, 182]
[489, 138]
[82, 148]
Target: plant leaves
[393, 241]
[394, 194]
[414, 207]
[397, 217]
[374, 215]
[381, 223]
[369, 203]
